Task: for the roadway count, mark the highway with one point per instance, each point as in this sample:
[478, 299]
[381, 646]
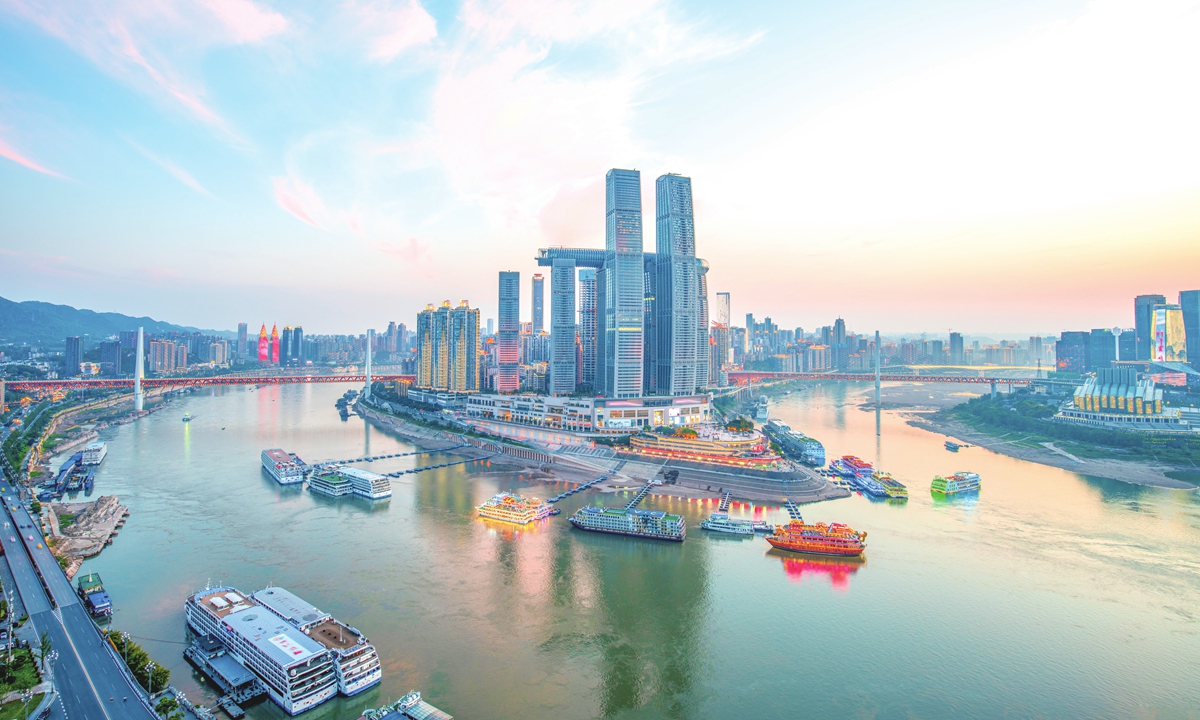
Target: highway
[89, 681]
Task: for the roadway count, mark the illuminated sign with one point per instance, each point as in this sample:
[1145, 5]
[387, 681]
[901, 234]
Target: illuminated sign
[1170, 340]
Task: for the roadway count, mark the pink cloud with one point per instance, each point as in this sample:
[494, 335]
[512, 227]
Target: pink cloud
[7, 151]
[298, 198]
[394, 27]
[246, 21]
[174, 170]
[412, 251]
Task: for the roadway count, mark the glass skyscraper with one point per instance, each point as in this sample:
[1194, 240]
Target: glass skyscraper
[1189, 301]
[1143, 318]
[562, 334]
[677, 293]
[587, 325]
[508, 331]
[539, 315]
[623, 293]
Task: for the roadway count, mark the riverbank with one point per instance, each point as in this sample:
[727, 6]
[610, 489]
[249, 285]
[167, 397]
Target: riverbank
[1137, 473]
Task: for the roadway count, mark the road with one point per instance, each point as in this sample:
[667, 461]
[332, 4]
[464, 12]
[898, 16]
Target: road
[89, 680]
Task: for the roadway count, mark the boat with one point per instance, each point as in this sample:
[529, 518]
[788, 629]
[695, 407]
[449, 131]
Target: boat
[795, 445]
[654, 524]
[287, 468]
[409, 707]
[894, 488]
[959, 482]
[860, 475]
[95, 599]
[721, 522]
[297, 671]
[339, 481]
[513, 508]
[94, 454]
[187, 417]
[818, 539]
[356, 660]
[761, 408]
[952, 446]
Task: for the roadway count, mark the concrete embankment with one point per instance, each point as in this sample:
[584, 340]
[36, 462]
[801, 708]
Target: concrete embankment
[92, 526]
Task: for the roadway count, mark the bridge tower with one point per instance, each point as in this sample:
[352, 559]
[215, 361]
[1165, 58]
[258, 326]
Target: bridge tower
[878, 402]
[370, 341]
[139, 369]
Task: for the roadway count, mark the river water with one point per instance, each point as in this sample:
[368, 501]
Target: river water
[1051, 595]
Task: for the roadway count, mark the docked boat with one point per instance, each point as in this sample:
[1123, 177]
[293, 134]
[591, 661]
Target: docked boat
[795, 445]
[894, 488]
[818, 539]
[94, 454]
[287, 468]
[762, 408]
[95, 598]
[959, 482]
[340, 481]
[356, 660]
[513, 508]
[721, 522]
[654, 524]
[409, 707]
[952, 446]
[298, 672]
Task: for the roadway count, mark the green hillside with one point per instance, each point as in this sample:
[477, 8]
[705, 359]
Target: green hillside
[40, 323]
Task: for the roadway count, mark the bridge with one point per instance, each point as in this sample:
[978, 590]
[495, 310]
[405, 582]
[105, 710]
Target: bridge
[743, 377]
[185, 382]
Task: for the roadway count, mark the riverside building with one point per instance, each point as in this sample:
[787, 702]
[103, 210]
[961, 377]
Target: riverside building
[1117, 400]
[448, 348]
[590, 415]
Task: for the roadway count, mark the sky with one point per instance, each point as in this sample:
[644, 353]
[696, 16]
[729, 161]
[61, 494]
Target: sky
[909, 165]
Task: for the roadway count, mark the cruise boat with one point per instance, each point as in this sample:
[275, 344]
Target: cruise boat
[721, 522]
[860, 475]
[510, 507]
[297, 671]
[959, 482]
[894, 488]
[356, 660]
[94, 454]
[654, 524]
[287, 468]
[818, 539]
[795, 445]
[336, 482]
[762, 408]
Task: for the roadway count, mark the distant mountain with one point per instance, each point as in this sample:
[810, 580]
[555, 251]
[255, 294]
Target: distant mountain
[39, 323]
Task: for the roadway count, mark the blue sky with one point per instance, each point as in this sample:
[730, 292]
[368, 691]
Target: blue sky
[1020, 166]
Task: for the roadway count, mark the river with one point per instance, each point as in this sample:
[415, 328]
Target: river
[1050, 595]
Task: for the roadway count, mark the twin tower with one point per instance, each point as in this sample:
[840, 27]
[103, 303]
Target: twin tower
[642, 317]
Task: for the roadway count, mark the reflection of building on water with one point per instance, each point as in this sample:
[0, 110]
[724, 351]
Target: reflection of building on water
[798, 566]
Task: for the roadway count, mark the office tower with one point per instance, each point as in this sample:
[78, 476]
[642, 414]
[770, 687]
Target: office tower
[562, 334]
[956, 348]
[508, 328]
[491, 326]
[624, 285]
[587, 326]
[1189, 303]
[392, 340]
[672, 340]
[110, 357]
[1127, 344]
[1170, 339]
[838, 347]
[274, 344]
[1101, 349]
[298, 345]
[1071, 352]
[181, 357]
[721, 319]
[73, 355]
[448, 348]
[285, 345]
[404, 342]
[264, 345]
[242, 346]
[538, 309]
[705, 376]
[1143, 320]
[650, 322]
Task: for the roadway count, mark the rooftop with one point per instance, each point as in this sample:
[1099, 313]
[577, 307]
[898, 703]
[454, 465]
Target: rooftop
[224, 607]
[286, 604]
[334, 635]
[272, 636]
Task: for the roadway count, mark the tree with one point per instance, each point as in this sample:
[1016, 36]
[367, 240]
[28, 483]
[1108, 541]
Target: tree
[42, 650]
[166, 706]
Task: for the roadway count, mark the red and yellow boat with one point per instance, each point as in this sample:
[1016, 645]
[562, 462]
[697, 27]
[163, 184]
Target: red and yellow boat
[819, 539]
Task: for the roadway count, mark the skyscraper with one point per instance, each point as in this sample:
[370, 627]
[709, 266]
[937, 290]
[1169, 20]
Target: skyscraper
[538, 304]
[508, 371]
[110, 357]
[562, 335]
[677, 294]
[624, 279]
[705, 377]
[1071, 352]
[956, 348]
[285, 345]
[1189, 302]
[1170, 340]
[721, 319]
[1143, 319]
[274, 344]
[264, 345]
[392, 341]
[73, 355]
[1101, 349]
[298, 345]
[448, 348]
[587, 325]
[242, 346]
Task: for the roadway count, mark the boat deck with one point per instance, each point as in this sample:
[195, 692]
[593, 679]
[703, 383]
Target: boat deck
[334, 635]
[230, 607]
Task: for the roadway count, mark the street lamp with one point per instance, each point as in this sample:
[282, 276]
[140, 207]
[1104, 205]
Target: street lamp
[125, 646]
[150, 677]
[25, 696]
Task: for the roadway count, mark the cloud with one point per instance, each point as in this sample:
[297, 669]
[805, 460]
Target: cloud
[174, 170]
[411, 251]
[9, 152]
[393, 27]
[298, 198]
[245, 21]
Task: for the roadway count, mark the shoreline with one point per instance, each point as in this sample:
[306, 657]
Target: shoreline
[1128, 471]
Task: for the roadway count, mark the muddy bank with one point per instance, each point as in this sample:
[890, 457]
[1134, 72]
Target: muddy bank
[1137, 473]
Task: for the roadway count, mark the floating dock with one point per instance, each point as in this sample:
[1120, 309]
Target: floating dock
[411, 706]
[577, 488]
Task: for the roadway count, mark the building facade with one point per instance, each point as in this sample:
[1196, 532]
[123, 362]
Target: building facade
[590, 415]
[73, 355]
[562, 334]
[539, 299]
[1189, 304]
[677, 293]
[623, 279]
[587, 326]
[1071, 352]
[1143, 318]
[448, 348]
[508, 332]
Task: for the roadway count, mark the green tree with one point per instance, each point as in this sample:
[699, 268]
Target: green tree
[42, 650]
[166, 706]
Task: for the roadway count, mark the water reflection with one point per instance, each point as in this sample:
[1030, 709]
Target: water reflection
[798, 566]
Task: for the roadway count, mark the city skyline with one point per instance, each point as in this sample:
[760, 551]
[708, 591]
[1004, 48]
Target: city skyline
[403, 194]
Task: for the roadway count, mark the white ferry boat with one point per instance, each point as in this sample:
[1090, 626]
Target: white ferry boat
[94, 454]
[297, 672]
[340, 481]
[356, 660]
[287, 468]
[721, 522]
[637, 523]
[513, 508]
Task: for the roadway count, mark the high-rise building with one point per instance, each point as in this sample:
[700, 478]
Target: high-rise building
[1189, 303]
[1102, 349]
[285, 345]
[391, 343]
[298, 345]
[508, 329]
[1127, 344]
[650, 321]
[677, 294]
[404, 343]
[1143, 319]
[110, 357]
[181, 357]
[623, 294]
[956, 348]
[448, 348]
[587, 326]
[73, 355]
[274, 344]
[264, 345]
[720, 326]
[539, 316]
[162, 356]
[1170, 338]
[562, 334]
[1071, 352]
[705, 376]
[491, 326]
[243, 346]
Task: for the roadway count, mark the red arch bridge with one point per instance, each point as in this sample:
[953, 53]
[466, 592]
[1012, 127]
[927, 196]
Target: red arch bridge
[185, 382]
[742, 377]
